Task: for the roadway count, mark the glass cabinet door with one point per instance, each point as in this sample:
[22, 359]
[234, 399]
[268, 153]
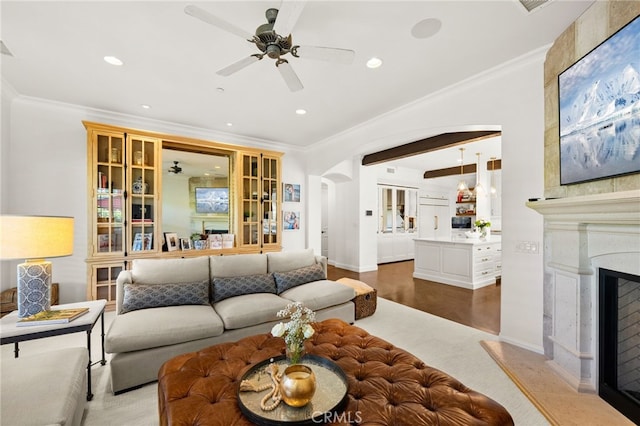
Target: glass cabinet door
[397, 209]
[143, 195]
[269, 200]
[250, 202]
[259, 183]
[109, 193]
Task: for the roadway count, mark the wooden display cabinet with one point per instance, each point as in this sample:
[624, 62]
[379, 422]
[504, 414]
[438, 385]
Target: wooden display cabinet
[125, 201]
[103, 277]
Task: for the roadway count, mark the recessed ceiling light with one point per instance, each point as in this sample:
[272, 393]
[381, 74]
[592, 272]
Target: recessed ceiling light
[301, 111]
[229, 124]
[374, 62]
[113, 60]
[207, 174]
[145, 106]
[220, 89]
[426, 28]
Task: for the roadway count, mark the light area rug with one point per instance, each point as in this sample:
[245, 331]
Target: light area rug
[440, 343]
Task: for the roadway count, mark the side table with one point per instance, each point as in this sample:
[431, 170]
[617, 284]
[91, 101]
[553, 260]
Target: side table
[11, 333]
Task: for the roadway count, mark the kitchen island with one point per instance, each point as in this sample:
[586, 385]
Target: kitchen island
[467, 263]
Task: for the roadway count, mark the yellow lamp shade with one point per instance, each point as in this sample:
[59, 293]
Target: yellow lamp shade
[35, 237]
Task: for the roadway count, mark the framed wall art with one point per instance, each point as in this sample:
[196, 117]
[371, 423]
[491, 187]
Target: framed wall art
[599, 105]
[291, 220]
[291, 192]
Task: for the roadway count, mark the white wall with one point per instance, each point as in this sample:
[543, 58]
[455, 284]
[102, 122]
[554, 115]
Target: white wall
[509, 97]
[48, 141]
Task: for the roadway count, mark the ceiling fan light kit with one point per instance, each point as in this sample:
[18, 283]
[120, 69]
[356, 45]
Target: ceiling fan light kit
[271, 43]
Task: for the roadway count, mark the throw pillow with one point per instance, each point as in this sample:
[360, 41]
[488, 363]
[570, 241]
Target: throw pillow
[287, 280]
[142, 296]
[225, 287]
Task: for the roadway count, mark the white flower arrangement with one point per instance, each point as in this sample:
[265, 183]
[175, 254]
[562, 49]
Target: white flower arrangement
[297, 330]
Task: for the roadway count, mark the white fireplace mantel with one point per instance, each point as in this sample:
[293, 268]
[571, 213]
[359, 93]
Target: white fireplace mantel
[581, 235]
[620, 208]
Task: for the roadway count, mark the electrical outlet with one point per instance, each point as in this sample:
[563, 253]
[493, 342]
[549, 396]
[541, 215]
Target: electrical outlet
[530, 247]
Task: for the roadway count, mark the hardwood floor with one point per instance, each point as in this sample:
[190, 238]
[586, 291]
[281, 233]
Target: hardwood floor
[394, 281]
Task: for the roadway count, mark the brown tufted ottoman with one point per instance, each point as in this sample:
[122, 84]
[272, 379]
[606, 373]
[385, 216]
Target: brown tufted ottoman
[387, 385]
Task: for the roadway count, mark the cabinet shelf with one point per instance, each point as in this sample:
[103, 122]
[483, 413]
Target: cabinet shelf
[465, 214]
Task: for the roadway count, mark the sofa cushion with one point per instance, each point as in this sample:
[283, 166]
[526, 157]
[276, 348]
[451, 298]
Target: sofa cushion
[225, 287]
[290, 279]
[234, 266]
[320, 294]
[168, 271]
[151, 328]
[289, 260]
[250, 309]
[143, 296]
[44, 389]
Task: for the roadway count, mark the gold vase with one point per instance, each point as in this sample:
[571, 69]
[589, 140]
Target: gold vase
[298, 385]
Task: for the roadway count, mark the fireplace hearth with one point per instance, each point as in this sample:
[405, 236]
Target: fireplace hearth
[619, 331]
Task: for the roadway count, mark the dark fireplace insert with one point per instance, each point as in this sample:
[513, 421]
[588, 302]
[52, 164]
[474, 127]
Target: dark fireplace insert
[619, 342]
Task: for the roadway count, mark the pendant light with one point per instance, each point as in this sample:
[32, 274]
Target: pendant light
[478, 190]
[493, 191]
[462, 185]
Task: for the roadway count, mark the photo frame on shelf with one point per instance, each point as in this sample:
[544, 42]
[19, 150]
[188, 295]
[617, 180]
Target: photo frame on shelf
[137, 242]
[185, 244]
[291, 192]
[291, 220]
[173, 243]
[147, 240]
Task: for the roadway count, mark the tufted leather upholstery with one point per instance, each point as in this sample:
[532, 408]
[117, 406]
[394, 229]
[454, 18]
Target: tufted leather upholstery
[387, 385]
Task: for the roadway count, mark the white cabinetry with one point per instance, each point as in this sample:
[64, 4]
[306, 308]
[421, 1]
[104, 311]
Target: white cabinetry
[468, 264]
[434, 217]
[397, 211]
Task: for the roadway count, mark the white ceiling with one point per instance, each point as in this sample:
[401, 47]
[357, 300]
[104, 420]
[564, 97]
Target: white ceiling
[171, 59]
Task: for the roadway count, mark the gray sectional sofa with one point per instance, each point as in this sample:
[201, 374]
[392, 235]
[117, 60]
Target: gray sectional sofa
[166, 307]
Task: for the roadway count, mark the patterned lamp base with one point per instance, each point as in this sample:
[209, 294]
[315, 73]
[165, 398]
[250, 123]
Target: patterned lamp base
[34, 287]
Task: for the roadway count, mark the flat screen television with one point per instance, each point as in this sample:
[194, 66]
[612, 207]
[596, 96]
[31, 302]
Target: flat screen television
[212, 200]
[599, 105]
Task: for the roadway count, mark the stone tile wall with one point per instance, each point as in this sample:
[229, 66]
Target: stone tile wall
[598, 23]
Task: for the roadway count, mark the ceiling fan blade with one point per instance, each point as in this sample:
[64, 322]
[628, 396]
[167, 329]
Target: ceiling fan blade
[237, 66]
[207, 17]
[289, 75]
[331, 54]
[288, 15]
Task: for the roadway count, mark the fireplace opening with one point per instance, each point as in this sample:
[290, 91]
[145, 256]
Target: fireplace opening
[619, 342]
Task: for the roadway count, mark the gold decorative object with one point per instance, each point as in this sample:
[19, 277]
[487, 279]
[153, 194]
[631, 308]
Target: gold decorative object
[297, 386]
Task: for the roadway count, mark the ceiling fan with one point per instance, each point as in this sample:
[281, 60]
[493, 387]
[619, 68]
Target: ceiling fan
[271, 42]
[175, 169]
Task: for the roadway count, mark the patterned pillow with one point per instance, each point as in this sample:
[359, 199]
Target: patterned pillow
[142, 296]
[225, 287]
[287, 280]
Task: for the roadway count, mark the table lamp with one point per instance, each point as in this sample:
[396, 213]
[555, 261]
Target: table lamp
[34, 238]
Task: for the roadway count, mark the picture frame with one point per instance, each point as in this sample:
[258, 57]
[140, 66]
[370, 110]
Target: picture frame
[291, 192]
[173, 243]
[147, 241]
[598, 115]
[185, 244]
[290, 220]
[137, 242]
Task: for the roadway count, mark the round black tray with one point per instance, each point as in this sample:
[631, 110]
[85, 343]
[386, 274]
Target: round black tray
[330, 396]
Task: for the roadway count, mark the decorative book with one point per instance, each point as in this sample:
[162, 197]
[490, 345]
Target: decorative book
[61, 316]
